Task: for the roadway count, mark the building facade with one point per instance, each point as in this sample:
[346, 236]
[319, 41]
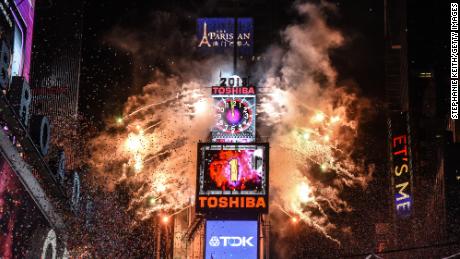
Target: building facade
[38, 197]
[421, 136]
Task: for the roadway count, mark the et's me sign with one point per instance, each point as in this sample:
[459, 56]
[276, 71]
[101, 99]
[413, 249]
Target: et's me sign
[401, 169]
[231, 239]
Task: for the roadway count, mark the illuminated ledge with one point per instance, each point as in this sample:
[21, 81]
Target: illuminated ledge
[22, 169]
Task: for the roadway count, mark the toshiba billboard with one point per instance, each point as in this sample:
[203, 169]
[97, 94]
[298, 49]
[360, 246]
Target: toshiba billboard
[232, 177]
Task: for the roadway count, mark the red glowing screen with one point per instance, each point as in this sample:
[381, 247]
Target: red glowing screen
[232, 169]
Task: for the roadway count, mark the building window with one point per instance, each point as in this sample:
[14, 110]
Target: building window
[424, 75]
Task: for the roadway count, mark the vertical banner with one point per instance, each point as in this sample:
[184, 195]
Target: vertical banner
[216, 35]
[400, 166]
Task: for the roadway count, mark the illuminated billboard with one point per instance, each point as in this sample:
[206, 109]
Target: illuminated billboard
[231, 239]
[235, 111]
[216, 35]
[232, 177]
[26, 11]
[401, 165]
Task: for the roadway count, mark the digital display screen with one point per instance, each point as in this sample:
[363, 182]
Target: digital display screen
[232, 170]
[231, 239]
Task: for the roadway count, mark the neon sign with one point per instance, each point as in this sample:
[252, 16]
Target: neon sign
[401, 170]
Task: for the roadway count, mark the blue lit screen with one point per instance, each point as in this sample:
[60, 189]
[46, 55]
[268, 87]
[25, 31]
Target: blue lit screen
[235, 239]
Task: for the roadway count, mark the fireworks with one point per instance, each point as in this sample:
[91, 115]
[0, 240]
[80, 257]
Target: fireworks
[135, 144]
[152, 149]
[304, 193]
[319, 117]
[165, 219]
[201, 106]
[311, 125]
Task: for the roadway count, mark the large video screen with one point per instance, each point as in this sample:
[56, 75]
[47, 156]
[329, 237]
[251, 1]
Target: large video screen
[236, 172]
[231, 239]
[232, 169]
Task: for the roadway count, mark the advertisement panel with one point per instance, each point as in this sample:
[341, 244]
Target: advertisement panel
[232, 177]
[400, 165]
[231, 239]
[235, 111]
[26, 10]
[216, 35]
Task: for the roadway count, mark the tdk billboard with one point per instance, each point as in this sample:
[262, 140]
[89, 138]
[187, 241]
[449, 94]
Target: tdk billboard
[227, 239]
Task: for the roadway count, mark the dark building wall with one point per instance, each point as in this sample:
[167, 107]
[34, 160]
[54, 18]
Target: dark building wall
[428, 84]
[452, 190]
[56, 69]
[56, 56]
[396, 88]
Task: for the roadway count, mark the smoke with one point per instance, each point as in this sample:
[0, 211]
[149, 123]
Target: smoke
[310, 121]
[312, 124]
